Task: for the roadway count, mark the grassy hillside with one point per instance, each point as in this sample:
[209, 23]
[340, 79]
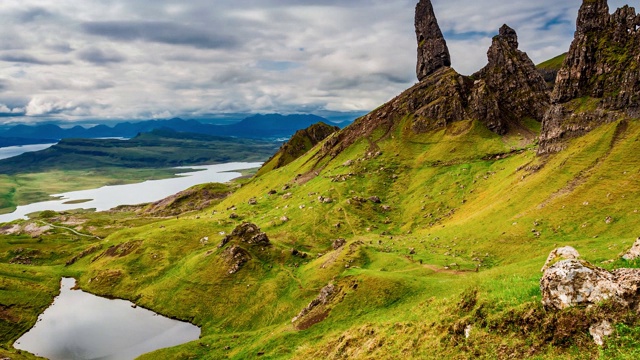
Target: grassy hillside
[464, 222]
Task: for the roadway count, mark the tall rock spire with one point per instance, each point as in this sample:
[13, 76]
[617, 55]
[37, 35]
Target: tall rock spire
[433, 53]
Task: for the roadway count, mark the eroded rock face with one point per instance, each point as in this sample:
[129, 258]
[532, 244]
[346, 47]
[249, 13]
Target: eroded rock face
[600, 79]
[433, 53]
[235, 257]
[578, 283]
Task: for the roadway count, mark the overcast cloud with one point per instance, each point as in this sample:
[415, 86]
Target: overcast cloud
[76, 60]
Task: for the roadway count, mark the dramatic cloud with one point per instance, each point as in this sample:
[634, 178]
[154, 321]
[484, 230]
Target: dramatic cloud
[159, 31]
[135, 59]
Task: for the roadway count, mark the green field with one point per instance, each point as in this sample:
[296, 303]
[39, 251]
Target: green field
[466, 221]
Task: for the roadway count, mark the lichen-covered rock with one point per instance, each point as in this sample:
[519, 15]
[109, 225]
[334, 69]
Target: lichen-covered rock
[433, 53]
[578, 283]
[572, 282]
[563, 253]
[599, 81]
[634, 252]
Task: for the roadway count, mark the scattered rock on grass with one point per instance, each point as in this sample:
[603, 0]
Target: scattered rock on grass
[338, 243]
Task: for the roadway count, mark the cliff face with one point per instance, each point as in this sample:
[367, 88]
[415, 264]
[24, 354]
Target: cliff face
[600, 78]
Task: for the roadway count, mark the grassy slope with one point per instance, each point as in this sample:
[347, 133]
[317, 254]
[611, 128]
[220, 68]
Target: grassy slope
[451, 198]
[553, 64]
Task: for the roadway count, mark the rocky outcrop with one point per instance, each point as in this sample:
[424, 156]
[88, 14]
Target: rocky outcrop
[236, 255]
[502, 94]
[316, 310]
[599, 81]
[509, 88]
[247, 233]
[433, 53]
[577, 283]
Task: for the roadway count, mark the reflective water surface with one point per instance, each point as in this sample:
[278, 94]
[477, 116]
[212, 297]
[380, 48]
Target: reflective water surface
[82, 326]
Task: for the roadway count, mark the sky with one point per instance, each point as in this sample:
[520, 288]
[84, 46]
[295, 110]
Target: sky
[108, 60]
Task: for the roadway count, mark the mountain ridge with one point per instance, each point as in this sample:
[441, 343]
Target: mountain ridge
[257, 126]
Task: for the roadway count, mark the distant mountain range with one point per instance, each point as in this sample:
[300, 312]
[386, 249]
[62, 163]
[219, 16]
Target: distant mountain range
[254, 127]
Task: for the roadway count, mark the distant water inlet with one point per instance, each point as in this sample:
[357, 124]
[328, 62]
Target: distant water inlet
[108, 197]
[79, 325]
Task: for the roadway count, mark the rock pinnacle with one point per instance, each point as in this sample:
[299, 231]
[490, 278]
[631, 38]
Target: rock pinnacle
[433, 53]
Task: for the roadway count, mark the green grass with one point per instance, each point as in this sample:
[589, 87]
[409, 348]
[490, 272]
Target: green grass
[461, 198]
[552, 64]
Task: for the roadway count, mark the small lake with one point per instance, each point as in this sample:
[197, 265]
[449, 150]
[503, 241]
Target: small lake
[11, 151]
[79, 325]
[108, 197]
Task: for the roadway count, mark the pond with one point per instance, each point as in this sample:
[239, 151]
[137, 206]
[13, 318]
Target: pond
[108, 197]
[79, 325]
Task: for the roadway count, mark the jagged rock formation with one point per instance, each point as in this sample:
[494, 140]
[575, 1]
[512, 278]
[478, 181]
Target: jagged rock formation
[301, 142]
[500, 95]
[509, 88]
[600, 78]
[433, 53]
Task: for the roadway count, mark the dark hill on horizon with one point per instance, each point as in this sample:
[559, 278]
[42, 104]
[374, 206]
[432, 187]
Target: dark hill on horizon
[271, 126]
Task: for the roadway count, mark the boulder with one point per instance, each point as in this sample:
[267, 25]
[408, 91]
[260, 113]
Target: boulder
[577, 283]
[563, 253]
